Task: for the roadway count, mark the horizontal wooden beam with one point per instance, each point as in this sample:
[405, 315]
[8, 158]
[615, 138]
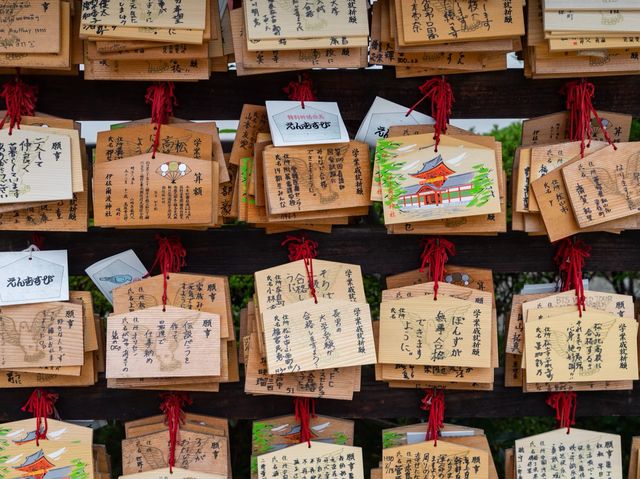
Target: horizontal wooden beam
[503, 94]
[242, 250]
[376, 400]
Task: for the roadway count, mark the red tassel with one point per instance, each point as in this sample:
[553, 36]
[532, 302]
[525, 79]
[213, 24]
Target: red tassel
[171, 406]
[433, 402]
[170, 257]
[21, 101]
[41, 405]
[439, 91]
[303, 248]
[565, 404]
[579, 95]
[37, 240]
[301, 90]
[162, 99]
[436, 253]
[305, 409]
[570, 258]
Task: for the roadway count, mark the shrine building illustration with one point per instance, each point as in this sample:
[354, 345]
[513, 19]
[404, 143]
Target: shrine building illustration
[437, 185]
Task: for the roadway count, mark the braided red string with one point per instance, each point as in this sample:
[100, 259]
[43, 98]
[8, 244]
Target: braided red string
[565, 404]
[162, 99]
[170, 257]
[301, 90]
[305, 409]
[579, 95]
[41, 405]
[20, 99]
[171, 406]
[435, 253]
[439, 91]
[570, 257]
[433, 402]
[302, 248]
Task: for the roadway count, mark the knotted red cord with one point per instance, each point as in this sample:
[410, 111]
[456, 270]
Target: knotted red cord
[162, 99]
[37, 240]
[41, 405]
[570, 258]
[171, 406]
[579, 94]
[305, 410]
[170, 257]
[565, 404]
[436, 253]
[303, 248]
[433, 402]
[21, 101]
[439, 91]
[301, 90]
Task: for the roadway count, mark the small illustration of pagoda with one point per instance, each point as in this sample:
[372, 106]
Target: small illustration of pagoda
[37, 466]
[437, 183]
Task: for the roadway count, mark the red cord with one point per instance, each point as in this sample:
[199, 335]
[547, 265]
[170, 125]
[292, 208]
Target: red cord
[41, 405]
[171, 406]
[436, 253]
[302, 248]
[439, 91]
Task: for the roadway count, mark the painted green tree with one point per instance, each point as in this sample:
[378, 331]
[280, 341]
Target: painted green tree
[481, 188]
[388, 176]
[79, 470]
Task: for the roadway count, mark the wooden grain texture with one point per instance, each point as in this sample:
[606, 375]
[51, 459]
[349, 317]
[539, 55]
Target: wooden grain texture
[201, 101]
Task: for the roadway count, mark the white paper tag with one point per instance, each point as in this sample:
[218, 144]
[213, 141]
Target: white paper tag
[28, 277]
[384, 114]
[115, 271]
[34, 166]
[318, 123]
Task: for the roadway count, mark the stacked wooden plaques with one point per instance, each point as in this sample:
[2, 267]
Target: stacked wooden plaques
[275, 434]
[558, 193]
[49, 335]
[289, 340]
[306, 186]
[458, 189]
[202, 450]
[559, 348]
[101, 462]
[569, 38]
[269, 37]
[562, 453]
[436, 38]
[40, 37]
[178, 187]
[458, 447]
[168, 40]
[187, 345]
[449, 343]
[44, 176]
[66, 451]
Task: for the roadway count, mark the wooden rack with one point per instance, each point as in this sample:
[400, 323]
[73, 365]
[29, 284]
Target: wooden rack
[241, 250]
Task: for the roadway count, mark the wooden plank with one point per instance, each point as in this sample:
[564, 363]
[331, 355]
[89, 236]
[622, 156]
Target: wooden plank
[375, 399]
[345, 244]
[201, 101]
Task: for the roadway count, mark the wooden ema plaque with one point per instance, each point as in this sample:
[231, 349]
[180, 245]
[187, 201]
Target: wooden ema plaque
[147, 191]
[176, 473]
[321, 460]
[306, 336]
[40, 335]
[306, 178]
[161, 342]
[66, 451]
[558, 454]
[194, 451]
[279, 433]
[426, 460]
[30, 27]
[446, 332]
[168, 14]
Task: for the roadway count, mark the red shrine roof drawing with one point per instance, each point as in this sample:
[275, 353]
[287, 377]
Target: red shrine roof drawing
[430, 167]
[35, 462]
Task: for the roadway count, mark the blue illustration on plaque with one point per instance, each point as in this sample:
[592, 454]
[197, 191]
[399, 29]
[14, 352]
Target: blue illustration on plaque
[118, 279]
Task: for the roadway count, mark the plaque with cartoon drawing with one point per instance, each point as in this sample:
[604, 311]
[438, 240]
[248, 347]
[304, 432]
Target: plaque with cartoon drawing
[420, 184]
[64, 454]
[163, 342]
